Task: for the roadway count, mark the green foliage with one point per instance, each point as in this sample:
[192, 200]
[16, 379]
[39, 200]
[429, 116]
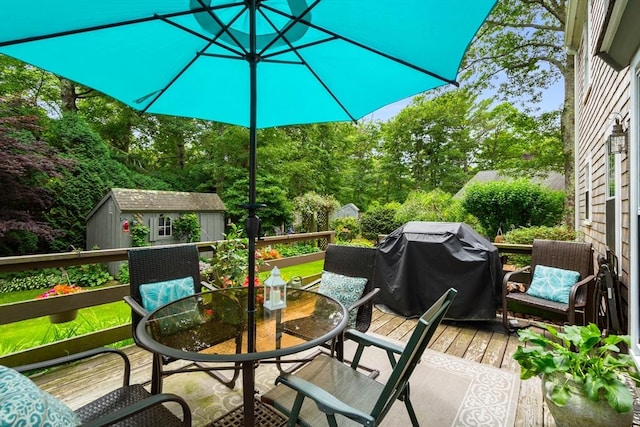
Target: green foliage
[229, 264]
[582, 354]
[139, 233]
[314, 210]
[347, 228]
[507, 204]
[436, 205]
[27, 283]
[379, 219]
[526, 235]
[82, 187]
[187, 226]
[89, 275]
[123, 273]
[294, 249]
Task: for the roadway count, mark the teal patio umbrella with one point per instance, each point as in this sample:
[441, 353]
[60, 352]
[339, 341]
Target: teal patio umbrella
[252, 63]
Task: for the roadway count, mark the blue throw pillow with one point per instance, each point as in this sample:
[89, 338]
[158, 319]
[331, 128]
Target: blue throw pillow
[157, 294]
[552, 284]
[22, 403]
[345, 289]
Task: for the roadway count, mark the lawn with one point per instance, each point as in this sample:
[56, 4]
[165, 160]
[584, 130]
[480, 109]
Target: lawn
[34, 332]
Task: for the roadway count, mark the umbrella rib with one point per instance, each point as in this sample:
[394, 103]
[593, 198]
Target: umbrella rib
[294, 20]
[225, 28]
[317, 77]
[363, 46]
[173, 80]
[100, 27]
[300, 47]
[213, 40]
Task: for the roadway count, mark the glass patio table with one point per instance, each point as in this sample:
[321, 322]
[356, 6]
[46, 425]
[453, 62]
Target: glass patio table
[216, 326]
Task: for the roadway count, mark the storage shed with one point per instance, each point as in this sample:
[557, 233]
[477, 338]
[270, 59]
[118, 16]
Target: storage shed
[109, 222]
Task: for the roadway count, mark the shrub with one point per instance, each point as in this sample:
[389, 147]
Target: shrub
[187, 226]
[379, 219]
[27, 283]
[347, 228]
[123, 273]
[435, 205]
[88, 275]
[511, 204]
[525, 236]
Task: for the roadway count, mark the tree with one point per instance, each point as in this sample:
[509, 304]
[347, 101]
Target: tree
[521, 49]
[28, 165]
[429, 144]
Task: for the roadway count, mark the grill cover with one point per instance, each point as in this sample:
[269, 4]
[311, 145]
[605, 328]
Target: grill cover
[419, 261]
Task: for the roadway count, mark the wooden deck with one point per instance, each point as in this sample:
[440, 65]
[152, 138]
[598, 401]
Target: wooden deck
[482, 342]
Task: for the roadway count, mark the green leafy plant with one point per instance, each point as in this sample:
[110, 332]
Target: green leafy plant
[88, 275]
[139, 232]
[187, 226]
[582, 354]
[519, 203]
[347, 228]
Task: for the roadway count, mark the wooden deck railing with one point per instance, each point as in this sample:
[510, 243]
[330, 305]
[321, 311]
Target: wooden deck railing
[15, 312]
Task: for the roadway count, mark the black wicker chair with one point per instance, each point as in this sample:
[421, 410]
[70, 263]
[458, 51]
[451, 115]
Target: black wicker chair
[129, 405]
[162, 263]
[349, 261]
[574, 256]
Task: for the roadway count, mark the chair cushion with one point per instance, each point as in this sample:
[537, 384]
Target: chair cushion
[23, 403]
[157, 294]
[552, 283]
[345, 289]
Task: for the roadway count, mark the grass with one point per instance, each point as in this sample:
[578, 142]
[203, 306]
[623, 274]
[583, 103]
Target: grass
[39, 331]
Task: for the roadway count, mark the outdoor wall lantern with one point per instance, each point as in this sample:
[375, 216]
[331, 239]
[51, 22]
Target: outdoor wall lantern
[275, 291]
[618, 138]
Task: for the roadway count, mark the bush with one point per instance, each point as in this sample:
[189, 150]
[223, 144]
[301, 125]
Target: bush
[27, 283]
[379, 219]
[347, 228]
[525, 236]
[123, 273]
[505, 205]
[88, 275]
[187, 226]
[434, 206]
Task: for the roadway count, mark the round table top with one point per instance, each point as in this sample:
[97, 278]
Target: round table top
[212, 326]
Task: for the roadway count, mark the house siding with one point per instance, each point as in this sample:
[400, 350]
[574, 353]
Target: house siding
[607, 93]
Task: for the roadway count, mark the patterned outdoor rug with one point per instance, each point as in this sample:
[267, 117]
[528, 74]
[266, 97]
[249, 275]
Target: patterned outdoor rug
[445, 391]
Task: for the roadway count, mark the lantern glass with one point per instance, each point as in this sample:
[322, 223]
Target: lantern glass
[618, 139]
[275, 291]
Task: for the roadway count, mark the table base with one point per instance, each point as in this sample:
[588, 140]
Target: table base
[265, 416]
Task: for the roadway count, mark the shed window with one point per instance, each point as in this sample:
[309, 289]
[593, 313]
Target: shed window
[164, 226]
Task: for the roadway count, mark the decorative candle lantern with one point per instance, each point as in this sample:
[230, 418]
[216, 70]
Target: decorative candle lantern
[275, 291]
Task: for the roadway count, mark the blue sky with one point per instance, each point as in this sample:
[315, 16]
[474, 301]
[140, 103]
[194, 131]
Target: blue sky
[552, 99]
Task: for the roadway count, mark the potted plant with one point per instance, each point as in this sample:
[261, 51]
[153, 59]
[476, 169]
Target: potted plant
[586, 380]
[61, 289]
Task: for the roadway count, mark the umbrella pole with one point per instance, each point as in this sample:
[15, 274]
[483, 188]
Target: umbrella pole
[252, 223]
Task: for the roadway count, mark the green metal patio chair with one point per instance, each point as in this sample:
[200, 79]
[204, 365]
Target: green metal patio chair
[328, 388]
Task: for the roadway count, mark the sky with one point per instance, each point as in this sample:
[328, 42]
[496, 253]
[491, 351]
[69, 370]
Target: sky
[552, 99]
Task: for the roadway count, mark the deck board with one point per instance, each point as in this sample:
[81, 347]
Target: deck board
[479, 342]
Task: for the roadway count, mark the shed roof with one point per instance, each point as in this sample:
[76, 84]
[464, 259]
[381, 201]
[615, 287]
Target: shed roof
[131, 200]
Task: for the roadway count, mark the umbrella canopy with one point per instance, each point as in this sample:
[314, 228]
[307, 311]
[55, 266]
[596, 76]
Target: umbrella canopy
[317, 61]
[253, 63]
